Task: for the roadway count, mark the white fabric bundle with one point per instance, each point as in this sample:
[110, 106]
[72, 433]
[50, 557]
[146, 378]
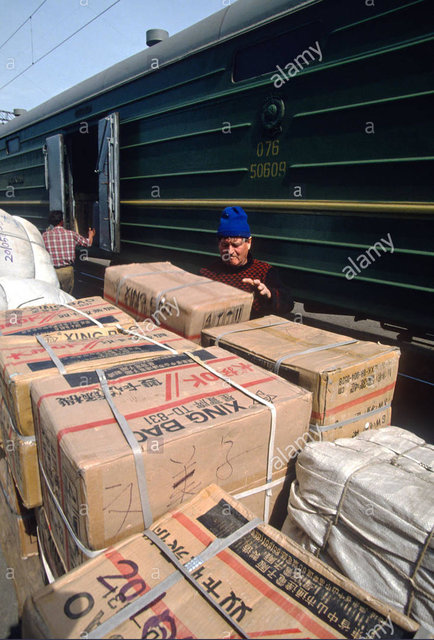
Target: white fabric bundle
[16, 293]
[366, 506]
[22, 251]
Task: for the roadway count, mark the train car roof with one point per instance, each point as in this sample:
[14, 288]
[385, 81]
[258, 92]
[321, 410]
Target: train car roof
[227, 22]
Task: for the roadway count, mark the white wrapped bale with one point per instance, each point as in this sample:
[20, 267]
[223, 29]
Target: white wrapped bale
[366, 506]
[16, 293]
[22, 251]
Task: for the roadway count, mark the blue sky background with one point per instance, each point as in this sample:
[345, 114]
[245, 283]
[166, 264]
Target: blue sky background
[116, 34]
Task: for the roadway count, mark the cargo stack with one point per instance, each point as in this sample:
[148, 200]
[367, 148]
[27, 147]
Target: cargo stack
[22, 364]
[209, 569]
[352, 381]
[365, 505]
[171, 297]
[39, 342]
[192, 419]
[19, 345]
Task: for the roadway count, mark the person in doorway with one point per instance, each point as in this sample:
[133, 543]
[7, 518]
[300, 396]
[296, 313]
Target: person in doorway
[238, 268]
[60, 244]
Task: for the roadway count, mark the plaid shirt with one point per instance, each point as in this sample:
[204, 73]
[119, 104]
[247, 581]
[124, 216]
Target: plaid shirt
[60, 244]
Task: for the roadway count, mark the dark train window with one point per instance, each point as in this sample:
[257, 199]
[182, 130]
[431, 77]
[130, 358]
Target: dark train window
[301, 46]
[13, 145]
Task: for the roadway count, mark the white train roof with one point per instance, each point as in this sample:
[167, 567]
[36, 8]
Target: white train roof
[226, 23]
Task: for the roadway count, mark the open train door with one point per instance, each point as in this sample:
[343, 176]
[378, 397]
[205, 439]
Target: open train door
[108, 177]
[54, 154]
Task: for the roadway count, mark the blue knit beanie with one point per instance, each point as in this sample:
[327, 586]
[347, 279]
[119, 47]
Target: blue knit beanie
[233, 223]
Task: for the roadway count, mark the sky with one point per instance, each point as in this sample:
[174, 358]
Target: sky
[118, 33]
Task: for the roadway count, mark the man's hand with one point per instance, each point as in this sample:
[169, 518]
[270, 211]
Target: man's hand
[91, 235]
[260, 286]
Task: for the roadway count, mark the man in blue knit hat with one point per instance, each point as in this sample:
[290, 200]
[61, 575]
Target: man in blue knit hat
[238, 268]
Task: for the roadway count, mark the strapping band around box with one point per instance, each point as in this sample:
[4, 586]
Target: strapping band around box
[138, 274]
[312, 350]
[263, 326]
[87, 552]
[320, 429]
[52, 355]
[135, 448]
[213, 549]
[86, 315]
[45, 564]
[263, 487]
[142, 336]
[266, 403]
[19, 435]
[181, 286]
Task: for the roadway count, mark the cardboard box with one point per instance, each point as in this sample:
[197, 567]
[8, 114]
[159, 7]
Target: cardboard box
[352, 384]
[264, 583]
[20, 364]
[179, 300]
[50, 557]
[193, 428]
[86, 333]
[19, 521]
[22, 457]
[49, 318]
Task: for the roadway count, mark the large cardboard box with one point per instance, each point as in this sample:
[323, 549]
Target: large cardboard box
[179, 300]
[352, 381]
[193, 428]
[20, 364]
[85, 333]
[47, 318]
[22, 457]
[16, 519]
[262, 586]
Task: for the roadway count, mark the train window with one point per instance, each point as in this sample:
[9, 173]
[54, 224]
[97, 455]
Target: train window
[13, 145]
[301, 47]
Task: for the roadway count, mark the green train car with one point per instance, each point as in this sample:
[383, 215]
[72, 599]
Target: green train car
[314, 115]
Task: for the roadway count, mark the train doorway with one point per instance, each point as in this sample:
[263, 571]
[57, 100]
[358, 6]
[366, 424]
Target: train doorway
[82, 178]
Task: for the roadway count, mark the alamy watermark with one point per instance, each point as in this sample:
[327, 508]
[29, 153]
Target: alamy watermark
[366, 258]
[380, 629]
[280, 460]
[304, 59]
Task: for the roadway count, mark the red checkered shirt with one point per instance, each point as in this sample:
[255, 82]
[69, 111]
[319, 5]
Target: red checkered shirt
[60, 244]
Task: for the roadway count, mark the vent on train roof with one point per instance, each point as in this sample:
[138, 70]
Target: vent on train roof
[154, 36]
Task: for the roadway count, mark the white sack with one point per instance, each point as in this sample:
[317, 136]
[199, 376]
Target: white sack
[22, 251]
[366, 505]
[16, 293]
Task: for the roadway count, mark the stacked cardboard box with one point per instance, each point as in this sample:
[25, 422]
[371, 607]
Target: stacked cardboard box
[192, 428]
[183, 302]
[18, 521]
[262, 585]
[22, 459]
[352, 381]
[75, 319]
[21, 364]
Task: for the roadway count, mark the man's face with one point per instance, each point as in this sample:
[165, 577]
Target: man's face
[234, 251]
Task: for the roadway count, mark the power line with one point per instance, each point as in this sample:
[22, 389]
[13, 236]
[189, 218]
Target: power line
[58, 45]
[22, 25]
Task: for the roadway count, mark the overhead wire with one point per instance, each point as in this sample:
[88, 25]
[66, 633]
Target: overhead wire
[57, 45]
[22, 25]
